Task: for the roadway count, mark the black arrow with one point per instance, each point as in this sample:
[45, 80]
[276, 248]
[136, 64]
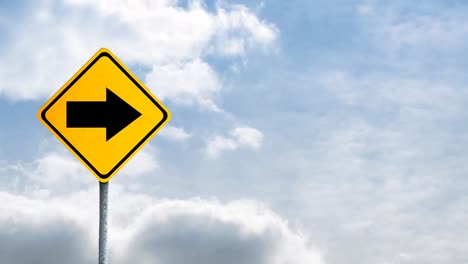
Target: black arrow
[114, 114]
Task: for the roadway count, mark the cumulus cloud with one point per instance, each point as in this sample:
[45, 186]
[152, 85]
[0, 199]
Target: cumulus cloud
[218, 144]
[62, 226]
[34, 231]
[48, 44]
[147, 230]
[239, 137]
[248, 136]
[59, 172]
[186, 83]
[144, 162]
[174, 133]
[56, 169]
[200, 231]
[54, 242]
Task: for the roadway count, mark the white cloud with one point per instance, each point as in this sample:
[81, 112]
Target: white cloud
[174, 133]
[212, 232]
[385, 156]
[186, 83]
[143, 163]
[63, 224]
[49, 46]
[399, 26]
[55, 167]
[218, 144]
[239, 137]
[60, 172]
[146, 230]
[54, 171]
[248, 136]
[377, 89]
[239, 30]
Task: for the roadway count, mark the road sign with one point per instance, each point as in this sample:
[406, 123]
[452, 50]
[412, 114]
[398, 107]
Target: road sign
[104, 115]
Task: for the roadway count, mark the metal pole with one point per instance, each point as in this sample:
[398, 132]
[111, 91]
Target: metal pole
[103, 203]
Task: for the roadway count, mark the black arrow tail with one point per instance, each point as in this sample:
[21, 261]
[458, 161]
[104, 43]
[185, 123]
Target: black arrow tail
[114, 114]
[87, 114]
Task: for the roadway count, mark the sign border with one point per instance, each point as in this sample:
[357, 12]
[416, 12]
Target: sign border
[103, 53]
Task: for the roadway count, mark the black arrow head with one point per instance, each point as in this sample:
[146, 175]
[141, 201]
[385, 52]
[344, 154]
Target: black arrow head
[120, 114]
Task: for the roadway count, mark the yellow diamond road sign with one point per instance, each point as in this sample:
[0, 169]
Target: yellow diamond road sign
[104, 115]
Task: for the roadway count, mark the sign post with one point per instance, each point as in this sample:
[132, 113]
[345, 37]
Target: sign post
[104, 115]
[103, 214]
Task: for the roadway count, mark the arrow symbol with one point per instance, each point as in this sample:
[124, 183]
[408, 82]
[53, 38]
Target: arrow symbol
[114, 114]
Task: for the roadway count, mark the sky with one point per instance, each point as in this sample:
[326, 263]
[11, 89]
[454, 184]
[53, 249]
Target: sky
[302, 132]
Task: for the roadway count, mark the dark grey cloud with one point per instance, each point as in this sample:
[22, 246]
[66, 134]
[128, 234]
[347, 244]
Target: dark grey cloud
[205, 232]
[144, 230]
[48, 243]
[200, 239]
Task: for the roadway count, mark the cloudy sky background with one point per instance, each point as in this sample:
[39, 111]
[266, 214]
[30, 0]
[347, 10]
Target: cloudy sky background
[302, 132]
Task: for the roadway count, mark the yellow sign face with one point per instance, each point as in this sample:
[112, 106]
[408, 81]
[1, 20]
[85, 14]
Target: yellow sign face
[104, 115]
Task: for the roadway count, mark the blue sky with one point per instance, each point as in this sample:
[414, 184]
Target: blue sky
[302, 132]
